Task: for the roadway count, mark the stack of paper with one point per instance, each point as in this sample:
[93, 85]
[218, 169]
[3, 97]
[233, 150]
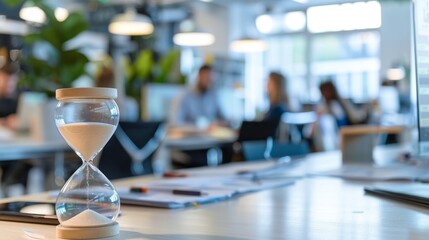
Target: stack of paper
[213, 189]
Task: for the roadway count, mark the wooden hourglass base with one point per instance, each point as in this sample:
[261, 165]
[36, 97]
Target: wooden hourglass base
[110, 230]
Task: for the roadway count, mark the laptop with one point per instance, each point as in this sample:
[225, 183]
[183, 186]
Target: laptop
[417, 192]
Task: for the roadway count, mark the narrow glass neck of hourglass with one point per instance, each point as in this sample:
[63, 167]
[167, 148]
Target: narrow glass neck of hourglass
[89, 160]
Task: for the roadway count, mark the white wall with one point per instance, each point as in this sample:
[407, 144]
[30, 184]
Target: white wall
[214, 19]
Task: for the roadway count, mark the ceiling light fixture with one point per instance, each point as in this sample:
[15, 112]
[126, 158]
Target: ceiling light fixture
[265, 23]
[248, 45]
[190, 36]
[131, 23]
[31, 13]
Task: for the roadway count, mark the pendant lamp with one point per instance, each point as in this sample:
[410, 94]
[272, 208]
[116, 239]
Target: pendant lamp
[32, 13]
[131, 23]
[191, 36]
[248, 44]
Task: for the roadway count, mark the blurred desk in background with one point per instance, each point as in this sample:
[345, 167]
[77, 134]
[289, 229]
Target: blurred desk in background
[17, 147]
[207, 142]
[358, 141]
[190, 138]
[21, 147]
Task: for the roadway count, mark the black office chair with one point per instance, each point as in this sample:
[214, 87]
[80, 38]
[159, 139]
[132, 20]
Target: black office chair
[257, 130]
[130, 150]
[251, 131]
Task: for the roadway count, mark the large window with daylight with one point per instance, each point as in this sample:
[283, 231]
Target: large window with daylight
[287, 54]
[350, 60]
[340, 42]
[344, 17]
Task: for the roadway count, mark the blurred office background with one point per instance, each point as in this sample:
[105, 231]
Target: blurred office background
[364, 47]
[358, 44]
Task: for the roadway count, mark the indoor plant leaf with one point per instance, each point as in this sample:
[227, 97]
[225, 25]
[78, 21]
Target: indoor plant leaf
[73, 26]
[166, 65]
[40, 67]
[51, 36]
[129, 69]
[49, 12]
[32, 37]
[143, 65]
[13, 3]
[73, 65]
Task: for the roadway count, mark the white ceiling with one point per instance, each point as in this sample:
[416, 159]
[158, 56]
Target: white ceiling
[290, 3]
[283, 3]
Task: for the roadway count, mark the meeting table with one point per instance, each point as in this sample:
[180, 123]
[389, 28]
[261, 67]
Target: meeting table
[313, 207]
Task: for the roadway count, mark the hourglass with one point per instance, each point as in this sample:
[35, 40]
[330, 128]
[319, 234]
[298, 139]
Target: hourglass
[88, 204]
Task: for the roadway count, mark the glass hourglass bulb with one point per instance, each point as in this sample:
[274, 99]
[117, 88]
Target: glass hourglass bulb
[87, 119]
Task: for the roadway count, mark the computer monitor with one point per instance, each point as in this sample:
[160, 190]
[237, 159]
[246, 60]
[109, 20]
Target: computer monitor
[158, 99]
[27, 102]
[421, 54]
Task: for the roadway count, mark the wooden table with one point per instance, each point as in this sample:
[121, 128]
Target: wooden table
[312, 208]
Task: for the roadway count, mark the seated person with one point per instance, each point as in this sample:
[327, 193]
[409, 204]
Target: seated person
[276, 86]
[344, 112]
[106, 78]
[12, 171]
[199, 105]
[8, 97]
[334, 112]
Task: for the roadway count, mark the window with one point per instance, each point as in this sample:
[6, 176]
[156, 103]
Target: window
[351, 60]
[287, 54]
[344, 17]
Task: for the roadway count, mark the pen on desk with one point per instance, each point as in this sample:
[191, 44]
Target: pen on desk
[174, 175]
[173, 191]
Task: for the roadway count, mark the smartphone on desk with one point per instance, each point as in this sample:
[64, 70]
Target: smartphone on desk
[29, 212]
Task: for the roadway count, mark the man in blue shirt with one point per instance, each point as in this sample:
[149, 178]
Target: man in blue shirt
[199, 105]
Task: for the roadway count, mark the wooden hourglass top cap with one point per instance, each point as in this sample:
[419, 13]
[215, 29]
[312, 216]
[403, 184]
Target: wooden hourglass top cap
[83, 93]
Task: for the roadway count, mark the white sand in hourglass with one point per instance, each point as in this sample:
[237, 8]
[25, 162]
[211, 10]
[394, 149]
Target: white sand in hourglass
[87, 138]
[87, 218]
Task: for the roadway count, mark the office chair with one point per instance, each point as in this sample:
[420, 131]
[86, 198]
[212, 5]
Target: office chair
[250, 131]
[130, 150]
[255, 150]
[283, 149]
[257, 130]
[270, 149]
[294, 124]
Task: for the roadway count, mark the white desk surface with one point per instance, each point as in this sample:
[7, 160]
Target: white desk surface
[312, 208]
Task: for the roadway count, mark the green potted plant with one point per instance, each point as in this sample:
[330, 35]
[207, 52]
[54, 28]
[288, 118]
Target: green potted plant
[61, 65]
[57, 67]
[146, 71]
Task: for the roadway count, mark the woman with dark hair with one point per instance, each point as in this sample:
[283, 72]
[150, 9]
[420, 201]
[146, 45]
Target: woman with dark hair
[276, 88]
[344, 112]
